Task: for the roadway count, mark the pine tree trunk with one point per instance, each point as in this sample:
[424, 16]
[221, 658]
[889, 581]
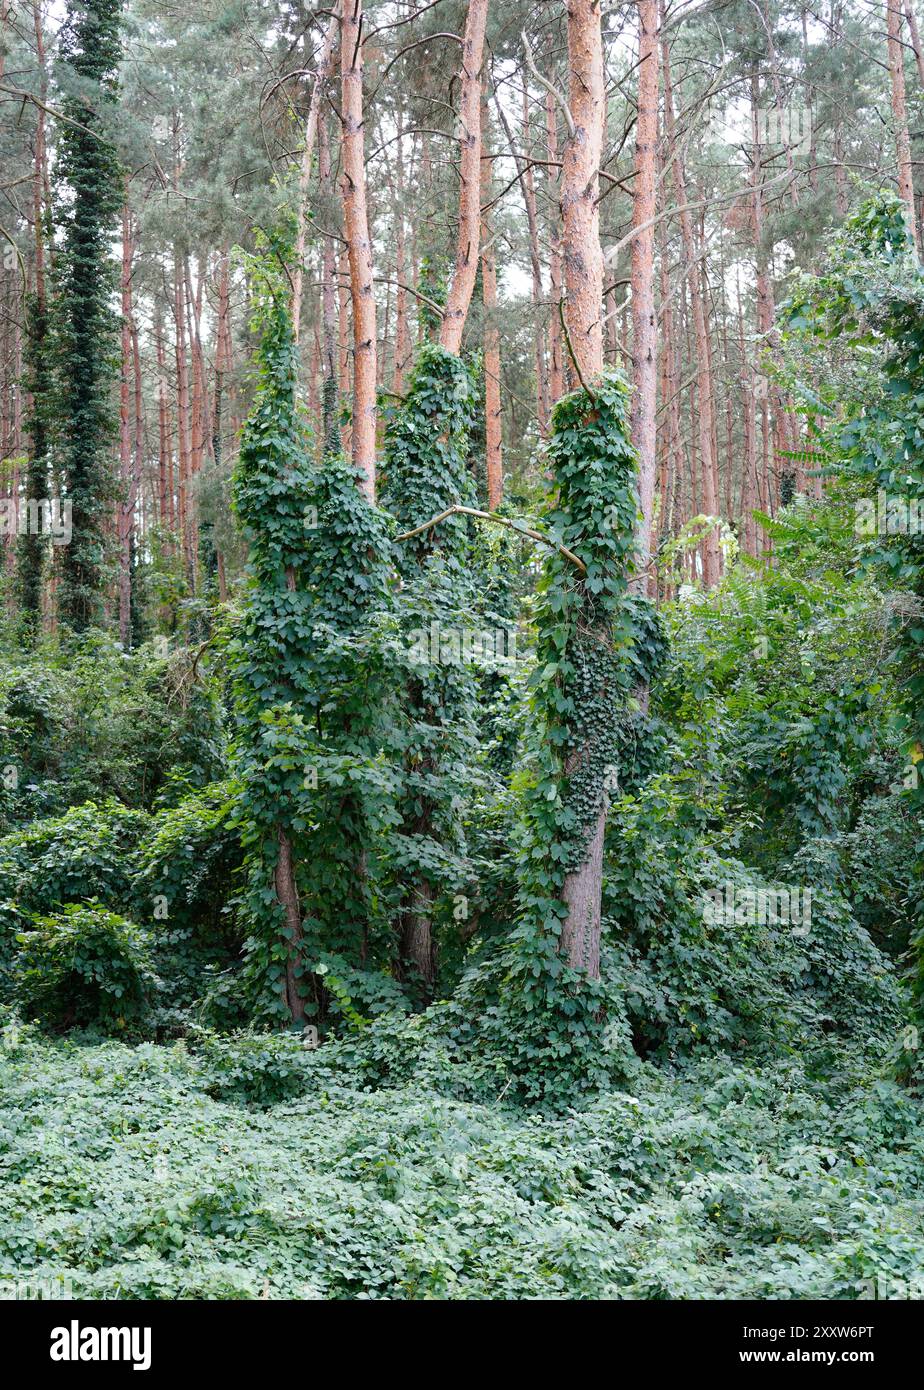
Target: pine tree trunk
[583, 305]
[915, 40]
[356, 221]
[899, 111]
[183, 428]
[125, 442]
[556, 368]
[492, 361]
[580, 188]
[529, 195]
[705, 426]
[402, 334]
[643, 417]
[466, 263]
[164, 452]
[325, 64]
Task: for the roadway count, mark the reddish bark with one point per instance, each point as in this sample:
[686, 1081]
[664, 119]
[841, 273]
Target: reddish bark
[466, 264]
[556, 366]
[899, 110]
[492, 362]
[356, 220]
[643, 418]
[580, 186]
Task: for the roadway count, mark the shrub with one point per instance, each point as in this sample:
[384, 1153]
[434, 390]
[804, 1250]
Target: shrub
[92, 722]
[254, 1068]
[89, 852]
[84, 966]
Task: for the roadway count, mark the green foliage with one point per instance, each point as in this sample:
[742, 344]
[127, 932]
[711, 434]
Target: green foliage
[872, 299]
[84, 967]
[189, 857]
[89, 852]
[308, 676]
[184, 884]
[93, 722]
[587, 663]
[260, 1069]
[801, 1178]
[780, 693]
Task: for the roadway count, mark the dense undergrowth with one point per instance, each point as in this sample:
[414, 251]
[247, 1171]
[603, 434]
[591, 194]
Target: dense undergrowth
[139, 1173]
[733, 1109]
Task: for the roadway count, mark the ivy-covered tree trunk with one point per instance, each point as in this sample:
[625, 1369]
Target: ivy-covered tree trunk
[596, 473]
[39, 373]
[271, 492]
[87, 327]
[583, 312]
[426, 471]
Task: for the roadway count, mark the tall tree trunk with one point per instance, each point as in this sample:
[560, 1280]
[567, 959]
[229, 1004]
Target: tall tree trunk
[329, 328]
[183, 430]
[124, 508]
[356, 221]
[31, 547]
[529, 193]
[402, 333]
[704, 388]
[776, 439]
[556, 365]
[915, 40]
[670, 400]
[322, 72]
[344, 376]
[583, 306]
[899, 111]
[492, 362]
[643, 417]
[164, 450]
[222, 353]
[580, 188]
[466, 264]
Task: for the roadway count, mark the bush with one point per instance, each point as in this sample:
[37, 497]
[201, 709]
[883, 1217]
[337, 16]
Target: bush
[254, 1068]
[89, 852]
[190, 857]
[85, 967]
[92, 722]
[184, 890]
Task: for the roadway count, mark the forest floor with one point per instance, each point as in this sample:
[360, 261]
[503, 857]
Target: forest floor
[125, 1176]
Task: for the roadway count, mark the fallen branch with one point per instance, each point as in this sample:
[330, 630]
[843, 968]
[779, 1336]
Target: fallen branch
[498, 521]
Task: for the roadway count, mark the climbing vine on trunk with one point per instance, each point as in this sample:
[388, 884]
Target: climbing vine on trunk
[595, 644]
